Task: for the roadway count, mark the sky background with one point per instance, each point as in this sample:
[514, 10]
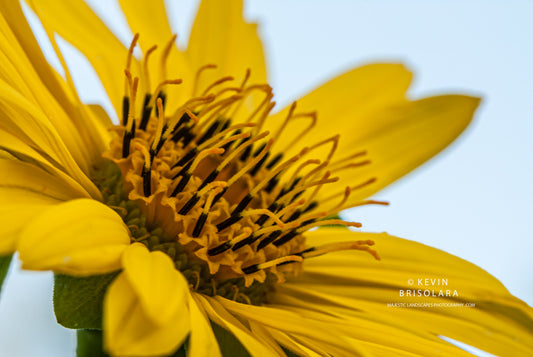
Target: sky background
[475, 200]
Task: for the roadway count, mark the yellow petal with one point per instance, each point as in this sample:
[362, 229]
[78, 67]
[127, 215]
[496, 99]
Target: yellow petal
[420, 130]
[76, 22]
[343, 105]
[17, 21]
[202, 341]
[220, 36]
[499, 323]
[23, 152]
[160, 288]
[101, 121]
[219, 315]
[79, 237]
[17, 208]
[19, 80]
[294, 324]
[18, 174]
[27, 122]
[149, 19]
[128, 331]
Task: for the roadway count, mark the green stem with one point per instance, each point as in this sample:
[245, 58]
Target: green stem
[90, 344]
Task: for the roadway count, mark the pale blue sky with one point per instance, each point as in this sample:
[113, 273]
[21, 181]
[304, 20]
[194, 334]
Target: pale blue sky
[475, 200]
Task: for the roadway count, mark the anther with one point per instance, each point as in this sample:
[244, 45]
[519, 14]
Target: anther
[129, 134]
[147, 110]
[274, 161]
[146, 170]
[269, 239]
[221, 248]
[157, 143]
[218, 187]
[256, 267]
[199, 225]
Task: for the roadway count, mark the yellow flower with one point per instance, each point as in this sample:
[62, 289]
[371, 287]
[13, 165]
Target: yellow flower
[206, 202]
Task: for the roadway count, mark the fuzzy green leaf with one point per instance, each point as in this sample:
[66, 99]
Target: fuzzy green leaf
[78, 302]
[5, 261]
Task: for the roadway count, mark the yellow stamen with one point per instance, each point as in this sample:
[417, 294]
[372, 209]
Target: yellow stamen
[198, 74]
[145, 67]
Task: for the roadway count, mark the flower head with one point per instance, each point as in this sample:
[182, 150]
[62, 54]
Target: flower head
[203, 201]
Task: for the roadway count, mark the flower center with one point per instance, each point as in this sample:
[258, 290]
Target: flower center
[204, 185]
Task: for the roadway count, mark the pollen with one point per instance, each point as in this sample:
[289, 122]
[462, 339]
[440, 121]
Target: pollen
[216, 193]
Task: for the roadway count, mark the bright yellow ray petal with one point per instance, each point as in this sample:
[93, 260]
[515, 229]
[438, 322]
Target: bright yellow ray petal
[15, 17]
[23, 152]
[291, 344]
[79, 237]
[18, 174]
[220, 36]
[161, 290]
[343, 106]
[366, 332]
[128, 331]
[23, 71]
[149, 19]
[295, 324]
[71, 20]
[26, 121]
[499, 323]
[101, 121]
[17, 208]
[219, 315]
[421, 130]
[202, 341]
[19, 77]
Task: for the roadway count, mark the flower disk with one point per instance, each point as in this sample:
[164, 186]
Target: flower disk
[225, 203]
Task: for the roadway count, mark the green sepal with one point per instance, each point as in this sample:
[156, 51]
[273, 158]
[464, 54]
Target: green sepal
[78, 302]
[5, 262]
[90, 344]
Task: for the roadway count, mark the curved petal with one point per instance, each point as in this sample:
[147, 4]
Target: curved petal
[21, 175]
[80, 237]
[27, 122]
[76, 22]
[161, 290]
[128, 331]
[499, 323]
[21, 151]
[219, 315]
[343, 106]
[20, 80]
[15, 18]
[202, 341]
[297, 325]
[420, 131]
[148, 18]
[220, 36]
[17, 207]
